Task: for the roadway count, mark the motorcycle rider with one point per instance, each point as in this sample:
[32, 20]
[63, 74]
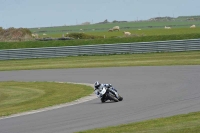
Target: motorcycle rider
[98, 87]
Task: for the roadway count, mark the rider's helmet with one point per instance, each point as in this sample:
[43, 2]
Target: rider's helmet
[96, 85]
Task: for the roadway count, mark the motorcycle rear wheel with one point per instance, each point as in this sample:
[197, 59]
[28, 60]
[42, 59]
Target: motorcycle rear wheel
[103, 101]
[111, 97]
[120, 98]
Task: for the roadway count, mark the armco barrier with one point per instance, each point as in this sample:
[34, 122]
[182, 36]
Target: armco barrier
[140, 47]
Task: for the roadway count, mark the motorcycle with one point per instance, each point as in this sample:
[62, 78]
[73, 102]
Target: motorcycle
[108, 94]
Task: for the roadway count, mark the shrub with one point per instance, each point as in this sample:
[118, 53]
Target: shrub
[83, 36]
[13, 34]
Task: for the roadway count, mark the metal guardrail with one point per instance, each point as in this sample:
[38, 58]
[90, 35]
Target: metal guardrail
[140, 47]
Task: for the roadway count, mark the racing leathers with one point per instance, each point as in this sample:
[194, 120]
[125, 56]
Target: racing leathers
[111, 89]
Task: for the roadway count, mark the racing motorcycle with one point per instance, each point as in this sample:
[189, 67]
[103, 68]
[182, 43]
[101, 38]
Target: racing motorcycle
[108, 94]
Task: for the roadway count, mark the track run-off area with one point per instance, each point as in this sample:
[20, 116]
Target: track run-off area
[149, 92]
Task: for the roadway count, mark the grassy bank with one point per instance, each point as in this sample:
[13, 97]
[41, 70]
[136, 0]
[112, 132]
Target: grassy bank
[149, 32]
[18, 97]
[123, 25]
[149, 59]
[188, 123]
[37, 44]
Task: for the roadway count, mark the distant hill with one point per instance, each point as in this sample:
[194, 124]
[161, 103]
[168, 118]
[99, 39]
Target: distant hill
[162, 19]
[180, 18]
[106, 21]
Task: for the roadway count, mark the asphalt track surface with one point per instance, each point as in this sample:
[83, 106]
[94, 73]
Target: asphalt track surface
[149, 92]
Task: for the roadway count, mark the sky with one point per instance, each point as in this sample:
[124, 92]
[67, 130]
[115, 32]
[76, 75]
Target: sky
[45, 13]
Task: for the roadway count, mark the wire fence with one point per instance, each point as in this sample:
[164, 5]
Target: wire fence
[101, 49]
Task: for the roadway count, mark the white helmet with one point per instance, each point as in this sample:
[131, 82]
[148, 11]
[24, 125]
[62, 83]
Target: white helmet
[96, 85]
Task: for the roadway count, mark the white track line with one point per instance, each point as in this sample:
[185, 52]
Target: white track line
[78, 101]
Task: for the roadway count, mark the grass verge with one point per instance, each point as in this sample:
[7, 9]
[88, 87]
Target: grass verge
[188, 123]
[16, 97]
[148, 59]
[57, 43]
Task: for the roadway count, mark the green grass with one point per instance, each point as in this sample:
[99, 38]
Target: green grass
[149, 59]
[150, 32]
[159, 36]
[146, 32]
[104, 27]
[16, 97]
[188, 123]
